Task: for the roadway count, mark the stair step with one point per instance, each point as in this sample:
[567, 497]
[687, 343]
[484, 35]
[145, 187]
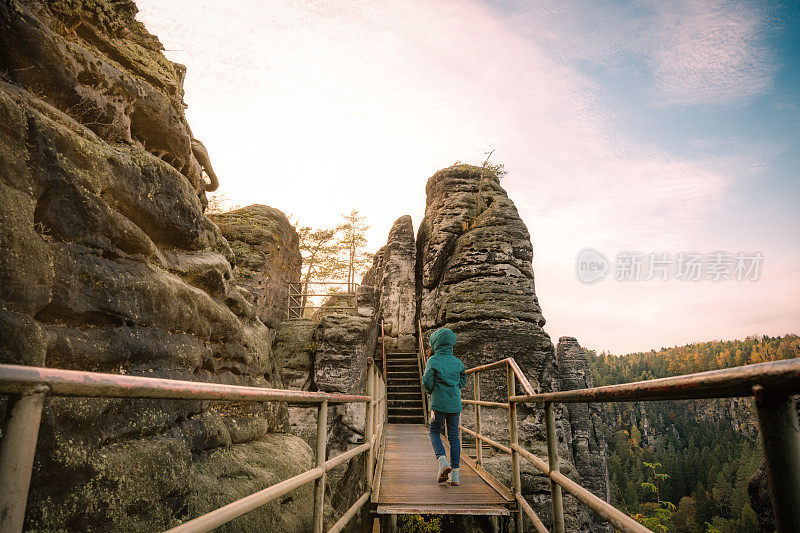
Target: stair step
[397, 419]
[416, 390]
[406, 403]
[400, 395]
[400, 374]
[388, 354]
[404, 386]
[406, 411]
[399, 361]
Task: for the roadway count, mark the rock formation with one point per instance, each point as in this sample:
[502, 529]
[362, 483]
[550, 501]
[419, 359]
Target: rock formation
[330, 353]
[583, 425]
[475, 276]
[267, 257]
[396, 288]
[107, 263]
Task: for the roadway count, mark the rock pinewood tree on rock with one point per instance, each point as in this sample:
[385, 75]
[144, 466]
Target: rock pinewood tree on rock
[353, 240]
[320, 250]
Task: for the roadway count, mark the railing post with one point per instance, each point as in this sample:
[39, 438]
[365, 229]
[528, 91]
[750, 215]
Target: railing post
[376, 412]
[319, 484]
[477, 396]
[552, 456]
[369, 420]
[20, 433]
[514, 439]
[780, 435]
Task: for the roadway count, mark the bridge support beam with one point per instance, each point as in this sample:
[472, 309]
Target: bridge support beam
[780, 435]
[552, 455]
[369, 420]
[319, 484]
[514, 438]
[476, 394]
[20, 433]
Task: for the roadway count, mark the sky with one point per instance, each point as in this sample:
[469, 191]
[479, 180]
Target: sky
[634, 129]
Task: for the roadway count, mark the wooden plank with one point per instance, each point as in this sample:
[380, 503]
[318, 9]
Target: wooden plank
[410, 469]
[482, 510]
[376, 484]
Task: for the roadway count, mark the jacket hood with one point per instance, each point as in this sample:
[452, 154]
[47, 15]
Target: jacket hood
[442, 341]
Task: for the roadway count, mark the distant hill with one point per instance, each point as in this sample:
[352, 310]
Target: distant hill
[610, 369]
[707, 448]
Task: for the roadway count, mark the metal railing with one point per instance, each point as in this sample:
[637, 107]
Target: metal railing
[383, 348]
[300, 293]
[28, 387]
[422, 362]
[771, 384]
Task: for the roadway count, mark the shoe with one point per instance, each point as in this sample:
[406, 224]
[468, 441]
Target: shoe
[444, 473]
[454, 477]
[444, 468]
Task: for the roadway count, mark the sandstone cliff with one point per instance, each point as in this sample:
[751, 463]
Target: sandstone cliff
[108, 263]
[475, 276]
[396, 288]
[266, 250]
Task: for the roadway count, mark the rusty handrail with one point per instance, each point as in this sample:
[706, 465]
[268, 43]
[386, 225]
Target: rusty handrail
[16, 379]
[28, 386]
[423, 353]
[422, 361]
[781, 376]
[298, 297]
[383, 349]
[772, 385]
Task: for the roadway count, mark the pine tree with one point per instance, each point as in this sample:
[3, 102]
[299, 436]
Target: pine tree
[352, 240]
[320, 251]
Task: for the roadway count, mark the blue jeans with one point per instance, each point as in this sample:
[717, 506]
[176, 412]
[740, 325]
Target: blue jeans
[437, 423]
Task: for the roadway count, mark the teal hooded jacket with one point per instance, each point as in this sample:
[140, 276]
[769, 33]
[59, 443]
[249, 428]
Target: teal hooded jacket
[444, 373]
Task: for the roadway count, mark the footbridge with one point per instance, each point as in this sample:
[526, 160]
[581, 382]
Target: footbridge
[399, 470]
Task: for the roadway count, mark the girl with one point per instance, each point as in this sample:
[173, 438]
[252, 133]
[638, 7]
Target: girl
[444, 378]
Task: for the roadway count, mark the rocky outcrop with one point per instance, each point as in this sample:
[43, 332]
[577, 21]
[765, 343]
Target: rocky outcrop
[107, 263]
[331, 355]
[474, 276]
[583, 425]
[395, 283]
[267, 257]
[294, 349]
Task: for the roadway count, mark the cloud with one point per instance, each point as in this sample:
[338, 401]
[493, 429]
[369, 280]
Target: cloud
[316, 107]
[710, 53]
[683, 52]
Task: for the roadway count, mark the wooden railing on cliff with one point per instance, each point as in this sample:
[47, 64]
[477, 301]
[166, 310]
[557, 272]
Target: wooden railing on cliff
[771, 384]
[28, 386]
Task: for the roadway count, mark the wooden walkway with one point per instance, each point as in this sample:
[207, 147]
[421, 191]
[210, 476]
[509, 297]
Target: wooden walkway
[408, 484]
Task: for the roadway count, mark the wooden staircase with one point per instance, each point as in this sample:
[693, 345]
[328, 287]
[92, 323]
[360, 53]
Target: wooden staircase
[403, 389]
